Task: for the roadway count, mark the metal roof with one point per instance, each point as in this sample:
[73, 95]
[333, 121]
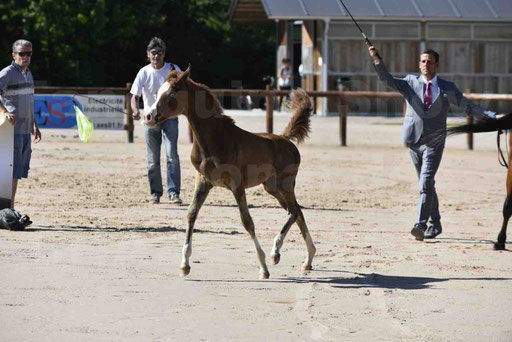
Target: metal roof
[423, 10]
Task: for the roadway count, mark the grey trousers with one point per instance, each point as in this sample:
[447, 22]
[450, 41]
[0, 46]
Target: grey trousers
[426, 160]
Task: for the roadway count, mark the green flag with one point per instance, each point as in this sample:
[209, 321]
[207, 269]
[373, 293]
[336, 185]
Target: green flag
[85, 126]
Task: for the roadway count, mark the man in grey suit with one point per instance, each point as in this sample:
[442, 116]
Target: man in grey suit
[428, 100]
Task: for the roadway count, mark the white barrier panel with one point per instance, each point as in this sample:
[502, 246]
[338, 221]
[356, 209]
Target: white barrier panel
[6, 156]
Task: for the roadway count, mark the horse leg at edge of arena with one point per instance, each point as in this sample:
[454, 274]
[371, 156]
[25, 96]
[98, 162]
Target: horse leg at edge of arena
[507, 206]
[507, 210]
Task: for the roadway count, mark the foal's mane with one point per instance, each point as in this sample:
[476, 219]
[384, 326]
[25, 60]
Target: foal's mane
[211, 101]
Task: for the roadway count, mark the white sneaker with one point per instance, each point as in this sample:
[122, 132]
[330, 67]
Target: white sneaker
[155, 199]
[174, 198]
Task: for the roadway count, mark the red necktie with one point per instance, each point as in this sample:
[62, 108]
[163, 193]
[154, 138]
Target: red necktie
[428, 96]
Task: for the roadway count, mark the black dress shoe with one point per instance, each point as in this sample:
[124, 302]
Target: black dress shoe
[418, 231]
[433, 231]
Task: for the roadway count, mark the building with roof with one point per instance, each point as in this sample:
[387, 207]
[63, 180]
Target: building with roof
[473, 38]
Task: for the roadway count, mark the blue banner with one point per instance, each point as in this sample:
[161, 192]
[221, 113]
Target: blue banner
[55, 111]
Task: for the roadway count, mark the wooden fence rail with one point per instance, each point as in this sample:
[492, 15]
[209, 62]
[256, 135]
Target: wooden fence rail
[342, 96]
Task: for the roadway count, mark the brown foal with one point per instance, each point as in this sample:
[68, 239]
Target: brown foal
[227, 156]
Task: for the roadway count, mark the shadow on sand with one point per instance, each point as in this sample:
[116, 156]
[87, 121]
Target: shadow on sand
[466, 242]
[361, 280]
[252, 206]
[120, 230]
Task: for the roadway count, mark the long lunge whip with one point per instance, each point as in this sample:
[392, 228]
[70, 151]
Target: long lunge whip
[359, 27]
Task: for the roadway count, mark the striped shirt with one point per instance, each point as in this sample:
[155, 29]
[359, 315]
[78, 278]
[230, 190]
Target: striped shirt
[17, 96]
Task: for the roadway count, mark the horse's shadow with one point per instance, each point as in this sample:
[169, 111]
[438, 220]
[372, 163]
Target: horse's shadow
[466, 242]
[253, 206]
[383, 281]
[361, 280]
[165, 229]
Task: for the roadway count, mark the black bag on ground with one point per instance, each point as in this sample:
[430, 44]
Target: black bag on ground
[12, 220]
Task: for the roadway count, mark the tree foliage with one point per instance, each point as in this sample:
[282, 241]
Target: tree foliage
[103, 42]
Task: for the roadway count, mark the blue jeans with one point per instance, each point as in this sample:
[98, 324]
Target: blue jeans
[21, 156]
[426, 160]
[169, 130]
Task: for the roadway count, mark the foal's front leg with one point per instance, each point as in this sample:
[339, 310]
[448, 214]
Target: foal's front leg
[249, 226]
[201, 192]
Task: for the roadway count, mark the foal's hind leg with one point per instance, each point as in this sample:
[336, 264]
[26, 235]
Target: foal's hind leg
[307, 238]
[249, 226]
[201, 192]
[275, 256]
[270, 187]
[296, 215]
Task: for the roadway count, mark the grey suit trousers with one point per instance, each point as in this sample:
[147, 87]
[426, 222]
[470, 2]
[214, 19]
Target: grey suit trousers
[426, 160]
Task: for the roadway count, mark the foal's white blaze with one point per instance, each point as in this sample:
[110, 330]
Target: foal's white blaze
[163, 88]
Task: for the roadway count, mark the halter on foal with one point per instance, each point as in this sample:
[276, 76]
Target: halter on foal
[485, 124]
[227, 156]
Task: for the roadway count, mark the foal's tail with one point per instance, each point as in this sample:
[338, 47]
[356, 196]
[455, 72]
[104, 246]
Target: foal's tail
[299, 125]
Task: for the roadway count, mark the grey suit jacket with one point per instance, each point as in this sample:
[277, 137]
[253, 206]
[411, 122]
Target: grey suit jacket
[418, 120]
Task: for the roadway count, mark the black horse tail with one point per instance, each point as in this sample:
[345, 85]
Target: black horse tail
[482, 124]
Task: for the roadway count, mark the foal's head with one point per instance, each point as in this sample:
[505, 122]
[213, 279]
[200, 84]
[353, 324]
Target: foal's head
[171, 99]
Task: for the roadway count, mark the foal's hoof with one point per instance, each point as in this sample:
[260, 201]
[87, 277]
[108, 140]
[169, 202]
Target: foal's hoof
[275, 258]
[499, 246]
[264, 275]
[306, 268]
[184, 271]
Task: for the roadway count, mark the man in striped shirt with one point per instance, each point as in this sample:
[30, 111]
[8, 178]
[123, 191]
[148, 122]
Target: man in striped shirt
[17, 104]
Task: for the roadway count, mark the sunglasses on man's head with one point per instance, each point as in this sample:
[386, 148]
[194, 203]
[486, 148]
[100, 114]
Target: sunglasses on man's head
[156, 52]
[23, 54]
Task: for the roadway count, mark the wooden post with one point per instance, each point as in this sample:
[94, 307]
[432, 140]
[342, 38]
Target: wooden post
[404, 108]
[343, 117]
[469, 121]
[190, 134]
[270, 112]
[509, 142]
[128, 119]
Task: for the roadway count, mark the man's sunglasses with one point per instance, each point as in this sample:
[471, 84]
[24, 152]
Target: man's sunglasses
[23, 54]
[156, 52]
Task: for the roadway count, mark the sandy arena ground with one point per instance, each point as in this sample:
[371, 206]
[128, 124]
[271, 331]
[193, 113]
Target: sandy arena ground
[101, 263]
